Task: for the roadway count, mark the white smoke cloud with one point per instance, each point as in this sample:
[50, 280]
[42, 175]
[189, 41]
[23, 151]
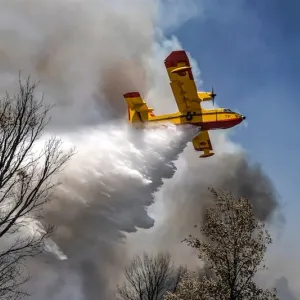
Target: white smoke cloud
[86, 54]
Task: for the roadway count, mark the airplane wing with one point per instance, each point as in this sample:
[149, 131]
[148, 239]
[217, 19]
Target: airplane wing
[182, 81]
[201, 142]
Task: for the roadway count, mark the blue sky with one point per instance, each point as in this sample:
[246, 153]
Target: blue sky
[249, 51]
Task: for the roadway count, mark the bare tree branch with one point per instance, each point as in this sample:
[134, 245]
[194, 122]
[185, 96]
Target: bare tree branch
[149, 277]
[27, 179]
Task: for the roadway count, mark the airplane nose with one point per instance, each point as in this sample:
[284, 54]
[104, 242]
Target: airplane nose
[243, 117]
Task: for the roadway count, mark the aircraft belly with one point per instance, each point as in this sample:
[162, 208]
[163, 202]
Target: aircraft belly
[222, 124]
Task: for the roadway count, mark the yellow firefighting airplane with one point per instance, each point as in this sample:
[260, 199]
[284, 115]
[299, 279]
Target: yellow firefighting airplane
[188, 100]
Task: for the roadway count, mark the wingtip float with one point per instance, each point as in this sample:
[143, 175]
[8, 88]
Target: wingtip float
[188, 100]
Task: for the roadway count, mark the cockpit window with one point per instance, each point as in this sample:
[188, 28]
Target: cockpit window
[227, 110]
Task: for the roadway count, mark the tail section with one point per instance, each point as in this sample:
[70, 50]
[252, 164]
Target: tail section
[138, 111]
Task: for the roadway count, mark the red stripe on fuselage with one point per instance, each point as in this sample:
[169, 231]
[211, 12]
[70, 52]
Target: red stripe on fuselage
[224, 124]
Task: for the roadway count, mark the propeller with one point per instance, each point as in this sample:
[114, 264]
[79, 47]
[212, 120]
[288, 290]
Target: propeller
[213, 95]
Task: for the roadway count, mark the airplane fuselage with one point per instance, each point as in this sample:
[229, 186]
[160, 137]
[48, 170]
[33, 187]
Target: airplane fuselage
[207, 119]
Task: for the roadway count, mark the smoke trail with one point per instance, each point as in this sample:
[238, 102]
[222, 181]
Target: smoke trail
[103, 195]
[181, 201]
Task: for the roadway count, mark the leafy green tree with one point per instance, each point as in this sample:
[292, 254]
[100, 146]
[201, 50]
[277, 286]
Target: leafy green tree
[233, 247]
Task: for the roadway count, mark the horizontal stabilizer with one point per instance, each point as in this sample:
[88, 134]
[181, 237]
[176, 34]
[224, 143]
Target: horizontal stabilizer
[135, 102]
